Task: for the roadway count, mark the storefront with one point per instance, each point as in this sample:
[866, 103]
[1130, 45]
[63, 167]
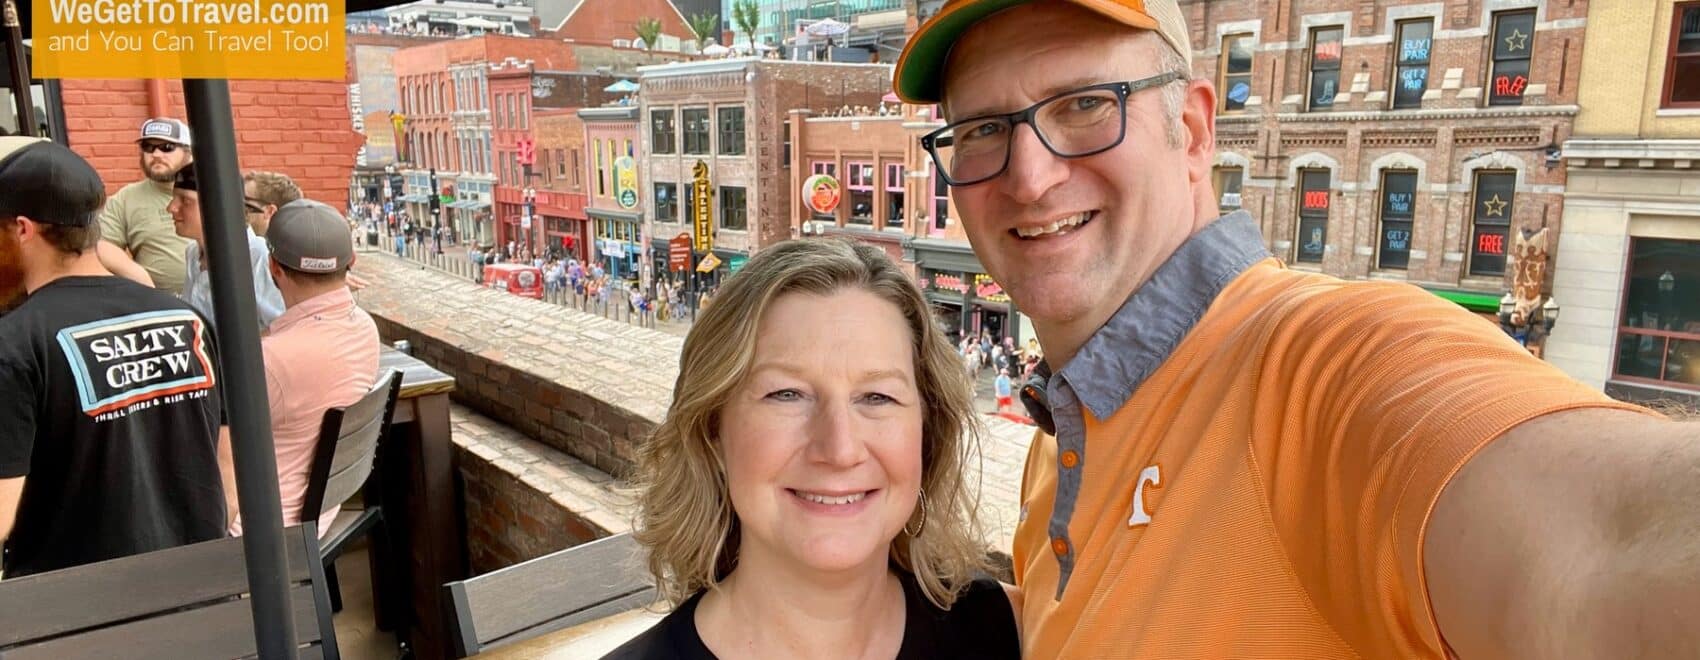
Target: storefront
[618, 242]
[965, 300]
[563, 238]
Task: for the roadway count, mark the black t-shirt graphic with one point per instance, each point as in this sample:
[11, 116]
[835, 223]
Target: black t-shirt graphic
[110, 407]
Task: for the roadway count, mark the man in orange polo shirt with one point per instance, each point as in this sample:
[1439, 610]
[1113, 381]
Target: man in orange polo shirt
[1241, 460]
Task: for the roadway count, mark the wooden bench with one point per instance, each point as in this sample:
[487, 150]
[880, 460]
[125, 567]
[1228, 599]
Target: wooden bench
[559, 590]
[185, 603]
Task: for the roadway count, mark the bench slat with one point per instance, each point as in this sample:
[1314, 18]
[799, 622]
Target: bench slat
[58, 602]
[523, 597]
[217, 632]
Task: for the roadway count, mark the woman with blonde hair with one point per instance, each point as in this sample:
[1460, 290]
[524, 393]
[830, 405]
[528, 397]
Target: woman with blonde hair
[805, 496]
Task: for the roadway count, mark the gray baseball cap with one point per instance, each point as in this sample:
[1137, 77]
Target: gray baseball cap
[165, 129]
[310, 237]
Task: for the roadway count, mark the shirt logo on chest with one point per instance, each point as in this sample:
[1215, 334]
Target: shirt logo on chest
[1152, 475]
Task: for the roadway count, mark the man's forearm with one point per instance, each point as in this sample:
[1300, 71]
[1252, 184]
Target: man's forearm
[11, 493]
[227, 474]
[119, 261]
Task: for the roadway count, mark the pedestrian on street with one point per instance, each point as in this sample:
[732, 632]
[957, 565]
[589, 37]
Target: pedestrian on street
[1003, 390]
[1241, 460]
[401, 245]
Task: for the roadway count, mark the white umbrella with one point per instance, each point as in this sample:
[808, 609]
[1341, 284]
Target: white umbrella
[827, 28]
[716, 50]
[479, 23]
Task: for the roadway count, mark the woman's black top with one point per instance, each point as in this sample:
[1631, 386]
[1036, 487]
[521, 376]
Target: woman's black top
[979, 625]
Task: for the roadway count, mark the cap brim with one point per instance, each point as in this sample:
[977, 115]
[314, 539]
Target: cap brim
[919, 77]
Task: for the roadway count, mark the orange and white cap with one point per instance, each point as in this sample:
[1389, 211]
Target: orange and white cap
[920, 70]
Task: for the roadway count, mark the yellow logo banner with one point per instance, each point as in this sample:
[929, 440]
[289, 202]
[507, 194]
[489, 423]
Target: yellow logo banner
[268, 39]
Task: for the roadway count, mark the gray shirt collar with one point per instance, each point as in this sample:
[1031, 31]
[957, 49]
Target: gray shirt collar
[1139, 337]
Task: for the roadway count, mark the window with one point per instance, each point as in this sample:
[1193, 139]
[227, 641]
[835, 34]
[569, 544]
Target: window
[561, 163]
[601, 169]
[1659, 339]
[661, 134]
[1491, 221]
[1325, 50]
[786, 162]
[1513, 41]
[1228, 181]
[941, 202]
[894, 195]
[1411, 60]
[501, 102]
[861, 193]
[829, 169]
[666, 202]
[578, 170]
[629, 152]
[1236, 71]
[696, 130]
[1398, 209]
[513, 112]
[733, 213]
[1313, 215]
[524, 111]
[732, 131]
[1682, 71]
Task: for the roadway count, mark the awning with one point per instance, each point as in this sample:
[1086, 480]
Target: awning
[1485, 303]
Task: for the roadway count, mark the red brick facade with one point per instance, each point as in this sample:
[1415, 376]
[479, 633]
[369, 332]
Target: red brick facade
[299, 128]
[600, 20]
[1446, 142]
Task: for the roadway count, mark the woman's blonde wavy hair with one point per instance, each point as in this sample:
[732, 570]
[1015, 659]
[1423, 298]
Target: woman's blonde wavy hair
[685, 515]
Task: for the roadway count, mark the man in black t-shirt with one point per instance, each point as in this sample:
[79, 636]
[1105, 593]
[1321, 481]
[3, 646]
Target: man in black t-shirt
[110, 421]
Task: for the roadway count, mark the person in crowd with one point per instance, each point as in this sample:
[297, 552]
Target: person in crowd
[263, 193]
[1242, 460]
[322, 353]
[1004, 390]
[805, 503]
[186, 217]
[111, 424]
[137, 237]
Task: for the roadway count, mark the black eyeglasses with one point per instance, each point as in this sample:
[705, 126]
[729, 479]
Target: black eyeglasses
[1073, 124]
[162, 147]
[253, 205]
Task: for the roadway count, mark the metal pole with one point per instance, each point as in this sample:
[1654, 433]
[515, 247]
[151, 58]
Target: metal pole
[208, 103]
[20, 71]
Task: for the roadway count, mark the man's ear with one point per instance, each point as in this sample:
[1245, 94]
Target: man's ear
[1198, 128]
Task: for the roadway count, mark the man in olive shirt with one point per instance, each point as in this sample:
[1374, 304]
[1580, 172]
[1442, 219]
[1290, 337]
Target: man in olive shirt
[137, 236]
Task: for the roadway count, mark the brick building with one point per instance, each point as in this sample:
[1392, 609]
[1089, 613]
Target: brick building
[299, 128]
[1627, 273]
[615, 206]
[447, 103]
[1391, 139]
[728, 116]
[559, 223]
[603, 20]
[373, 104]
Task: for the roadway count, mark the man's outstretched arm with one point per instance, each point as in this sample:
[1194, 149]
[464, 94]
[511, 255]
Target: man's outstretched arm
[119, 261]
[1576, 535]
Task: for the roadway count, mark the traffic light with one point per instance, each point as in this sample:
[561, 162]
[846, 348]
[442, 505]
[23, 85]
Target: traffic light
[527, 151]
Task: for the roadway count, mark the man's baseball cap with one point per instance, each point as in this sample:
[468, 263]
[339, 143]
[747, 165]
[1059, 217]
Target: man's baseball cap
[165, 129]
[48, 183]
[186, 179]
[310, 237]
[920, 69]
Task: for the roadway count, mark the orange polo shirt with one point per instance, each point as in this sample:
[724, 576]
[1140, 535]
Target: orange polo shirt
[1259, 485]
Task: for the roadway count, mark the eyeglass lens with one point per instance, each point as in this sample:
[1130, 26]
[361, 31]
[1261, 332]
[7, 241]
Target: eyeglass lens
[162, 147]
[1074, 125]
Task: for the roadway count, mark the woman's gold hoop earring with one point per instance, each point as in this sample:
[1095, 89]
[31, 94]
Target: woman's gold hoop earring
[923, 524]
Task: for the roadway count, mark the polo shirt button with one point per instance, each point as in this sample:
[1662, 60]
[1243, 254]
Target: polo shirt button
[1070, 459]
[1059, 545]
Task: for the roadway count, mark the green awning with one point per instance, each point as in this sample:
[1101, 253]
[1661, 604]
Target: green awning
[1485, 303]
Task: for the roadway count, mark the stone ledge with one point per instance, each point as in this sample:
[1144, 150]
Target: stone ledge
[525, 499]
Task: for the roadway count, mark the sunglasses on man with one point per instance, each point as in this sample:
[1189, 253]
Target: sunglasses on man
[162, 147]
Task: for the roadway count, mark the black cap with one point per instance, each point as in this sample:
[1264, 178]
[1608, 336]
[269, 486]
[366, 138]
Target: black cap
[186, 179]
[48, 183]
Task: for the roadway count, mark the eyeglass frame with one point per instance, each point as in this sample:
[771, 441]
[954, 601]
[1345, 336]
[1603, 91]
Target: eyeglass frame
[1124, 89]
[160, 146]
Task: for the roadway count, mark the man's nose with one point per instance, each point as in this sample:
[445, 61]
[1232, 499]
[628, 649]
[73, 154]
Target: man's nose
[1033, 170]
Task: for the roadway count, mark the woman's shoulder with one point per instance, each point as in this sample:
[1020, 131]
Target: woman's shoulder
[674, 637]
[979, 624]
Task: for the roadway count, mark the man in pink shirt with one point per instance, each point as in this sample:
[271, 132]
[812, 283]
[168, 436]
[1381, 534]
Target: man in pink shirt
[321, 353]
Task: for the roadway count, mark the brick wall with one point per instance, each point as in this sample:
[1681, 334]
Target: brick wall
[1446, 141]
[560, 137]
[597, 20]
[300, 128]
